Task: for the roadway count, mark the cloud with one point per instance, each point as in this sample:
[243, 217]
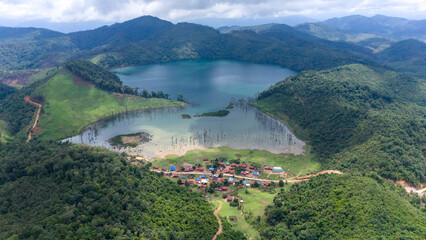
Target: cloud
[174, 10]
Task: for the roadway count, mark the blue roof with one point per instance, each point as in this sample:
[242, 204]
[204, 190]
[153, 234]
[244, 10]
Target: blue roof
[203, 176]
[246, 182]
[259, 183]
[231, 179]
[182, 176]
[227, 163]
[211, 169]
[172, 168]
[255, 173]
[197, 179]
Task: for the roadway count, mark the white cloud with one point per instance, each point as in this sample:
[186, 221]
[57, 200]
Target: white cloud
[174, 10]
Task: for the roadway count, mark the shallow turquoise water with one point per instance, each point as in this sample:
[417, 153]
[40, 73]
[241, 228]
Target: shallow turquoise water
[209, 86]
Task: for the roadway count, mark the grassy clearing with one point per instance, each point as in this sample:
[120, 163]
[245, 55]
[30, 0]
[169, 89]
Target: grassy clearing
[70, 107]
[4, 134]
[297, 165]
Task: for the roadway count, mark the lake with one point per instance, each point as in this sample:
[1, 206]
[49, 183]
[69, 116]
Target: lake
[208, 86]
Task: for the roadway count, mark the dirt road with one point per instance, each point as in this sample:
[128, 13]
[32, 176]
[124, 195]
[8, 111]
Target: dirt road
[38, 105]
[216, 213]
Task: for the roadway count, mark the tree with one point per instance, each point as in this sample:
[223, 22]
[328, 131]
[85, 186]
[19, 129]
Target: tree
[281, 183]
[180, 97]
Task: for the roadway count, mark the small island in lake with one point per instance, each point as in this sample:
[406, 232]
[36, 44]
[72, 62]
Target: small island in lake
[220, 113]
[130, 140]
[186, 116]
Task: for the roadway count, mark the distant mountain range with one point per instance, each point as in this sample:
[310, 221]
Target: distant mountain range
[376, 32]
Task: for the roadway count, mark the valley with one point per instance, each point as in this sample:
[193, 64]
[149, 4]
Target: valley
[149, 129]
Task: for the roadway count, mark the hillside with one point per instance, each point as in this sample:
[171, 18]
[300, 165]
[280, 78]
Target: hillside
[344, 207]
[72, 103]
[58, 191]
[356, 118]
[406, 56]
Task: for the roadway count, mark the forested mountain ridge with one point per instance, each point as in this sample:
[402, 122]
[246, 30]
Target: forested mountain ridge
[59, 191]
[357, 118]
[151, 40]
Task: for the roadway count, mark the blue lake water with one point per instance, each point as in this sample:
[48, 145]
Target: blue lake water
[208, 86]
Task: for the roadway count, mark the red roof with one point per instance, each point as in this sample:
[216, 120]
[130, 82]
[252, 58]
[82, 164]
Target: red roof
[221, 163]
[187, 170]
[226, 171]
[156, 167]
[231, 168]
[205, 159]
[243, 172]
[201, 169]
[139, 164]
[251, 167]
[224, 188]
[233, 164]
[232, 171]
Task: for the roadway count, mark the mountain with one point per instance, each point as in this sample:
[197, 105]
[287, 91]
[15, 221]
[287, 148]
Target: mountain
[357, 118]
[344, 207]
[406, 56]
[148, 40]
[30, 33]
[377, 32]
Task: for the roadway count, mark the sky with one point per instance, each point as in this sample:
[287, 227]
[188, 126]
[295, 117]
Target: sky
[97, 12]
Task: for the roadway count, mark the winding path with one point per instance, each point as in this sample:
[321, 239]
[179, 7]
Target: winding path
[216, 213]
[38, 105]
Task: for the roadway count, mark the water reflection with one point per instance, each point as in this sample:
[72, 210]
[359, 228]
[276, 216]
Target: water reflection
[244, 128]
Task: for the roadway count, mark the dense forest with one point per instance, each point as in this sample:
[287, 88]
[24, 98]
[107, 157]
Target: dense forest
[98, 76]
[356, 118]
[345, 207]
[58, 191]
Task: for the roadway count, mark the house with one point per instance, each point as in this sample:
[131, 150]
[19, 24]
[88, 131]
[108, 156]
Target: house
[255, 173]
[191, 181]
[203, 176]
[174, 176]
[164, 169]
[277, 169]
[251, 167]
[233, 164]
[211, 169]
[231, 180]
[243, 165]
[198, 179]
[187, 170]
[232, 172]
[266, 184]
[205, 159]
[221, 168]
[227, 163]
[200, 169]
[229, 199]
[226, 170]
[172, 168]
[247, 183]
[139, 164]
[221, 163]
[204, 181]
[267, 168]
[183, 176]
[156, 167]
[231, 168]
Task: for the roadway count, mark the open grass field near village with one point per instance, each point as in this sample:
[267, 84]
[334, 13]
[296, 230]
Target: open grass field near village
[295, 165]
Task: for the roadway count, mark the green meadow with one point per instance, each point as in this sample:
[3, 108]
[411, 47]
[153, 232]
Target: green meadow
[70, 106]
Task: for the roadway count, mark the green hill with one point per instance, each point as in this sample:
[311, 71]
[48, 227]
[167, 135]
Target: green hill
[59, 191]
[344, 207]
[356, 118]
